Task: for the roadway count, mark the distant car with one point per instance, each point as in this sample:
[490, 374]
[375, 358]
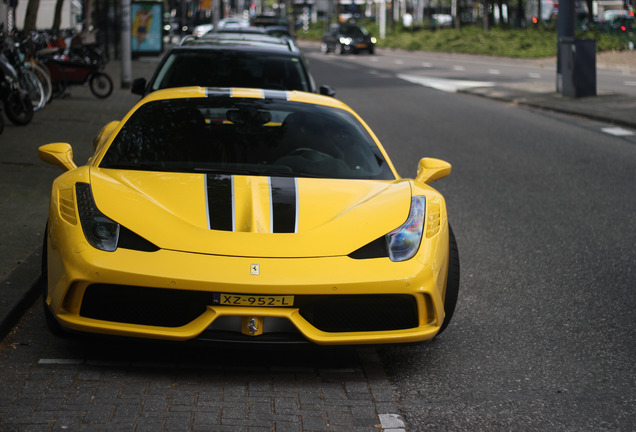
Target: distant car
[232, 60]
[202, 29]
[442, 20]
[347, 38]
[246, 215]
[279, 31]
[241, 29]
[618, 21]
[269, 20]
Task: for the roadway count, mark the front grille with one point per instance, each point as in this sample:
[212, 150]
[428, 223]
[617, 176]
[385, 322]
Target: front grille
[175, 308]
[359, 313]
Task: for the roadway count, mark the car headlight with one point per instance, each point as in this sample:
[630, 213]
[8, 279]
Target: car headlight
[345, 40]
[403, 242]
[374, 40]
[100, 231]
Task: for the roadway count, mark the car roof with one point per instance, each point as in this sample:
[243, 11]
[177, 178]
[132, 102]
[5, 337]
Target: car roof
[244, 41]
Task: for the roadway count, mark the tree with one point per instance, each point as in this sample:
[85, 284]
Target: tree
[57, 19]
[31, 15]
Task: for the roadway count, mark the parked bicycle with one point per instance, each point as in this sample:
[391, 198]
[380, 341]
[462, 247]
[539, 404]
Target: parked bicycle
[14, 92]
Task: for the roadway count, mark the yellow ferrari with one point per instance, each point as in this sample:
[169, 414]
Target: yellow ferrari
[246, 215]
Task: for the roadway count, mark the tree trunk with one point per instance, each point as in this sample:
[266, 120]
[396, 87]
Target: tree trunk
[486, 16]
[31, 16]
[57, 19]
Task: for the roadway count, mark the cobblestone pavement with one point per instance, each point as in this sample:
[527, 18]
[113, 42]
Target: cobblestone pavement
[53, 384]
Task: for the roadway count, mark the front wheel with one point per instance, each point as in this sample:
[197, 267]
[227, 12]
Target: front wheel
[51, 323]
[101, 85]
[338, 49]
[452, 280]
[324, 48]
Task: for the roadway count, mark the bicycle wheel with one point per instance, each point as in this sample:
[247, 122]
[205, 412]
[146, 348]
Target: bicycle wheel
[45, 78]
[30, 82]
[59, 82]
[100, 84]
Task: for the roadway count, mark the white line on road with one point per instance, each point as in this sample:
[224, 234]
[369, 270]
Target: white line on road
[534, 75]
[494, 71]
[392, 422]
[617, 131]
[459, 68]
[61, 361]
[427, 65]
[450, 86]
[630, 83]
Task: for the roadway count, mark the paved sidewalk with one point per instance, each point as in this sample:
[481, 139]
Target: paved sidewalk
[25, 180]
[618, 109]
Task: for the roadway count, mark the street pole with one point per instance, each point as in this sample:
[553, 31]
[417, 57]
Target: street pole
[126, 56]
[576, 59]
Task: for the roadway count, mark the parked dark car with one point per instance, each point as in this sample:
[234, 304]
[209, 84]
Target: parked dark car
[232, 60]
[347, 38]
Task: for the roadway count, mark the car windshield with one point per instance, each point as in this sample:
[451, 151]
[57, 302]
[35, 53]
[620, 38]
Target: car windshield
[232, 69]
[269, 137]
[353, 31]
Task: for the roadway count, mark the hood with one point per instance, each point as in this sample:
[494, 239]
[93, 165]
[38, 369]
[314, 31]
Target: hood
[251, 216]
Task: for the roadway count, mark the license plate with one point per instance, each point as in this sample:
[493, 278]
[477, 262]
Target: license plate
[253, 300]
[361, 46]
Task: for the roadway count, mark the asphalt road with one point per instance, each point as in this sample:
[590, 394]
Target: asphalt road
[542, 339]
[542, 205]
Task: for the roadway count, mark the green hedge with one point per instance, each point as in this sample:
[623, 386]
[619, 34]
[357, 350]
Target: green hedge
[502, 42]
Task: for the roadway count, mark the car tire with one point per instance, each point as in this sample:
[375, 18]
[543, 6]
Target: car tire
[452, 280]
[324, 48]
[51, 323]
[338, 49]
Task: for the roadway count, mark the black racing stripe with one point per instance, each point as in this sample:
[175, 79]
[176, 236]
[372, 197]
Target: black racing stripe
[220, 202]
[284, 204]
[275, 94]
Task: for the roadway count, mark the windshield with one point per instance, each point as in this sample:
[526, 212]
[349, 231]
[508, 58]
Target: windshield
[354, 31]
[232, 69]
[246, 136]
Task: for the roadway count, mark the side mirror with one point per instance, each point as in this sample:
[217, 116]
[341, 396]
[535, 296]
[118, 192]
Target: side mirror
[327, 91]
[431, 169]
[58, 154]
[138, 86]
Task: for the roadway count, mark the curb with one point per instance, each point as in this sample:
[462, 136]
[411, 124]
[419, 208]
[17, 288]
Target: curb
[19, 299]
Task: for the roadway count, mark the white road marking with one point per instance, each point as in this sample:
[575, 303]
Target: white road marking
[617, 131]
[459, 68]
[427, 65]
[630, 83]
[392, 422]
[60, 361]
[534, 75]
[450, 86]
[494, 71]
[398, 62]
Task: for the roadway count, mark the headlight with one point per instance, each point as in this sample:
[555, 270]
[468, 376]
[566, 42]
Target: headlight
[100, 231]
[345, 40]
[374, 40]
[403, 242]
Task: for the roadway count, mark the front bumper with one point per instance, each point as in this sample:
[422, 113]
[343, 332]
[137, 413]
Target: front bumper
[169, 295]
